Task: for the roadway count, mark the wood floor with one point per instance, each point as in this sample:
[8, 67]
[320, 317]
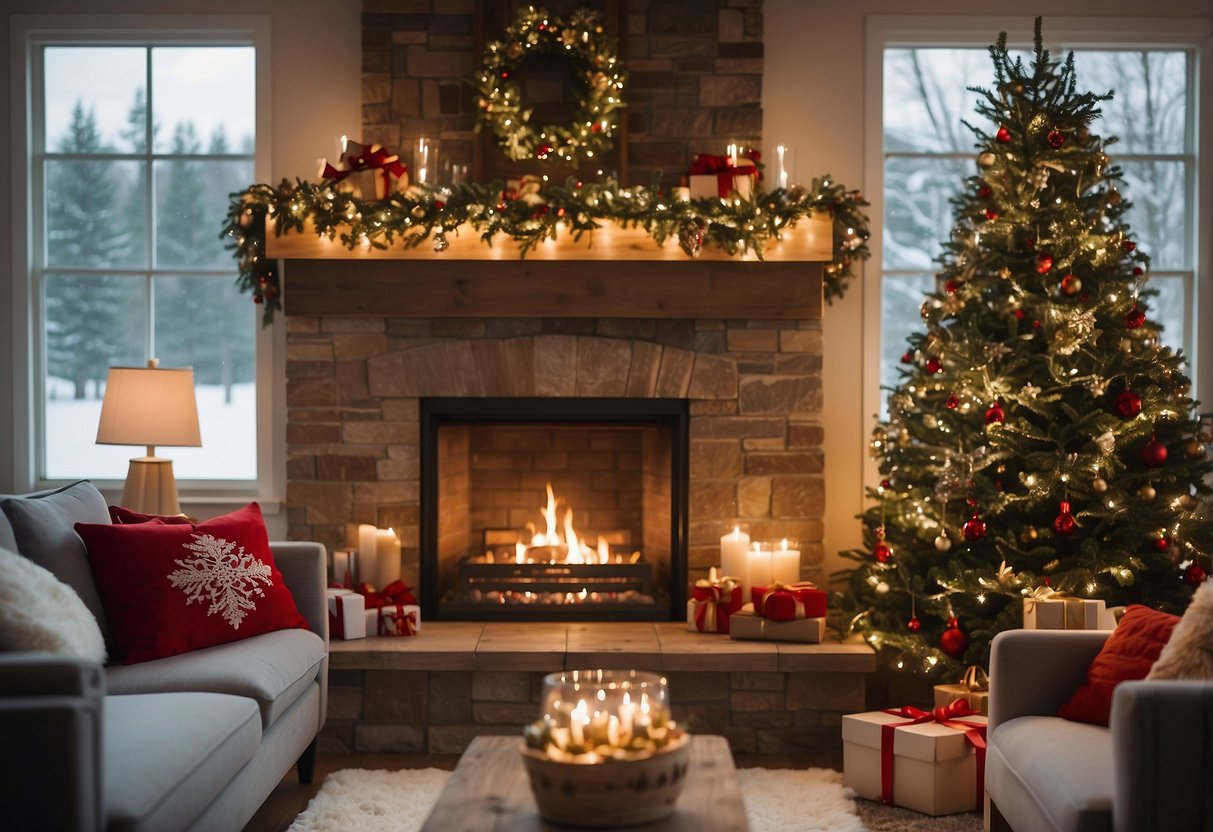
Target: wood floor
[291, 798]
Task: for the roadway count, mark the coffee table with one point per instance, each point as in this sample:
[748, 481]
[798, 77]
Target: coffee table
[489, 790]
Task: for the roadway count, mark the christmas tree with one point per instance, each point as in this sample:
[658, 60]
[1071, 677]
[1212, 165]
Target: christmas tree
[1041, 440]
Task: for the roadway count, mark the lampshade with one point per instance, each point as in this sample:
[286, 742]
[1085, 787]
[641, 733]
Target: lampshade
[149, 406]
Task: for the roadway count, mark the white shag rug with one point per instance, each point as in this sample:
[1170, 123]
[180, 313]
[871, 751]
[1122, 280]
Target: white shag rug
[359, 800]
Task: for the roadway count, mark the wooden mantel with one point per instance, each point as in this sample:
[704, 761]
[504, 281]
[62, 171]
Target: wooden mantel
[618, 273]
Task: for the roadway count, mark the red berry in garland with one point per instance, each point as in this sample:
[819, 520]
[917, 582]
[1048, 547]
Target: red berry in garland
[1195, 575]
[1153, 453]
[1135, 317]
[914, 624]
[1128, 404]
[1056, 138]
[1003, 135]
[994, 414]
[954, 642]
[974, 528]
[1064, 524]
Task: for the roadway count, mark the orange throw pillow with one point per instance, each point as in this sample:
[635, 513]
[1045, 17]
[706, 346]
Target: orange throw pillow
[1129, 653]
[170, 588]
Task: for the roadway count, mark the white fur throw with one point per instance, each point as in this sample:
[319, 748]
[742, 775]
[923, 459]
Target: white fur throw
[1189, 653]
[39, 612]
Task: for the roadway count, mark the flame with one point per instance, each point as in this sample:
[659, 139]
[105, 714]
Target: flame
[520, 552]
[604, 551]
[571, 541]
[561, 533]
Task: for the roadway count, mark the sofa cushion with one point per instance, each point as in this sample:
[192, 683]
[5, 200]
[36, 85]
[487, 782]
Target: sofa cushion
[43, 531]
[274, 669]
[1189, 651]
[1128, 653]
[40, 612]
[122, 516]
[168, 755]
[173, 588]
[1050, 773]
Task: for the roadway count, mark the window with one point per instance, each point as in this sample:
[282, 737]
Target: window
[137, 138]
[927, 152]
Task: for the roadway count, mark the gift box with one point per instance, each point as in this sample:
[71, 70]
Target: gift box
[745, 624]
[1053, 611]
[978, 700]
[786, 602]
[721, 177]
[347, 614]
[929, 761]
[394, 620]
[369, 172]
[712, 603]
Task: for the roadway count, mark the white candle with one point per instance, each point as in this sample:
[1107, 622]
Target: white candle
[760, 567]
[387, 557]
[423, 160]
[734, 562]
[367, 560]
[345, 567]
[579, 719]
[785, 562]
[627, 713]
[780, 151]
[732, 155]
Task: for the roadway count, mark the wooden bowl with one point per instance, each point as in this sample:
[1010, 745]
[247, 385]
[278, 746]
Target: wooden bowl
[610, 793]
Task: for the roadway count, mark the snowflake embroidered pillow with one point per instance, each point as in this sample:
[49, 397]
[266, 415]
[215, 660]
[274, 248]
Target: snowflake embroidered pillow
[170, 588]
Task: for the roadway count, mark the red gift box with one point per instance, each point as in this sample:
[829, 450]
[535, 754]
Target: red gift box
[712, 603]
[787, 602]
[394, 610]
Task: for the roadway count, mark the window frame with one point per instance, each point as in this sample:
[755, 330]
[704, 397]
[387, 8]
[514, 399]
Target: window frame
[886, 31]
[30, 35]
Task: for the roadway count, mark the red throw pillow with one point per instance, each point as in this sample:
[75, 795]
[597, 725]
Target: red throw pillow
[122, 516]
[170, 588]
[1128, 653]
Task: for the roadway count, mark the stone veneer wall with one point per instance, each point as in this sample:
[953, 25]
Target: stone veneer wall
[440, 711]
[754, 387]
[695, 76]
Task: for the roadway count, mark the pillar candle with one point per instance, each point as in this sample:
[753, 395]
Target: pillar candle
[345, 567]
[387, 556]
[759, 557]
[367, 562]
[785, 561]
[734, 562]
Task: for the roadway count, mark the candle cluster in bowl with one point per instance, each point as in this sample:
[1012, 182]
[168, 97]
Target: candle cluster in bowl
[758, 562]
[596, 715]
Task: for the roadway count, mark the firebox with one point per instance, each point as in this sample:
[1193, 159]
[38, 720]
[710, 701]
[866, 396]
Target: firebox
[556, 509]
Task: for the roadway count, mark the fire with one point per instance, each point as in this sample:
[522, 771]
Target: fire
[559, 533]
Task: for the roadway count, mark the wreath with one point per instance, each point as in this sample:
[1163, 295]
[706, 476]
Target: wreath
[595, 65]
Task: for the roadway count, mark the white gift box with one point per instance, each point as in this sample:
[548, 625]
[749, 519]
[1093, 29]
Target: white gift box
[347, 614]
[381, 621]
[934, 766]
[707, 185]
[1065, 613]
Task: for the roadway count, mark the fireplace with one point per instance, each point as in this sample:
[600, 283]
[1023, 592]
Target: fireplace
[553, 508]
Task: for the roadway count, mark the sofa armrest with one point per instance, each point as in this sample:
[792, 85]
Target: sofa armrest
[1034, 672]
[51, 712]
[304, 567]
[1160, 737]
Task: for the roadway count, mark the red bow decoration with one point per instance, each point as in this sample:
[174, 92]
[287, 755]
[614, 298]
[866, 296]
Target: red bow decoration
[362, 157]
[397, 592]
[948, 715]
[724, 169]
[402, 623]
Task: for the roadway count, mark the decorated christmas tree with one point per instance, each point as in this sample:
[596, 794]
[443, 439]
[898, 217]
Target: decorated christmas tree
[1041, 439]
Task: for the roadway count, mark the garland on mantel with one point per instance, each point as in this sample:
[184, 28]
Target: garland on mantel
[425, 213]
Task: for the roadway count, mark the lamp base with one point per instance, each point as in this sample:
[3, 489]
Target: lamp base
[151, 487]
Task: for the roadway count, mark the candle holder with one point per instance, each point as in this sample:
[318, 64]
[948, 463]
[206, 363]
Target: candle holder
[783, 557]
[605, 752]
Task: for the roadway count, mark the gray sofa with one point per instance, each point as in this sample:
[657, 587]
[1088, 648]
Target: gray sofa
[194, 741]
[1149, 771]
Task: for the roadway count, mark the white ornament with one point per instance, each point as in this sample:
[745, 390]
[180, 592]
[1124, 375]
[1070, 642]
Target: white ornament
[227, 579]
[882, 588]
[943, 543]
[1106, 442]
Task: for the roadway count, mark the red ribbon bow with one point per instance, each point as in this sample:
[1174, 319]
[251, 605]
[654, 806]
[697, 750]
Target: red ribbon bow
[713, 603]
[724, 169]
[402, 623]
[397, 592]
[947, 715]
[375, 157]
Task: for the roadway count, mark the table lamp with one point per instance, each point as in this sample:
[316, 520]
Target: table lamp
[150, 406]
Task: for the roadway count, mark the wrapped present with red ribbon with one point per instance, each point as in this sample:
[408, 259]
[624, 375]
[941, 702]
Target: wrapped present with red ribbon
[787, 602]
[711, 604]
[929, 761]
[723, 176]
[370, 171]
[347, 613]
[973, 688]
[392, 612]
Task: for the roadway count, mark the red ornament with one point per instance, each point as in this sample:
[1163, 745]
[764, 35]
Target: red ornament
[1130, 246]
[952, 623]
[934, 365]
[1064, 524]
[1056, 138]
[881, 551]
[1195, 575]
[1071, 285]
[914, 625]
[439, 204]
[1128, 404]
[951, 286]
[1161, 544]
[596, 127]
[994, 414]
[974, 528]
[1003, 135]
[1018, 313]
[954, 642]
[984, 192]
[886, 484]
[907, 356]
[991, 214]
[952, 403]
[1044, 262]
[542, 151]
[1153, 453]
[1137, 271]
[1135, 317]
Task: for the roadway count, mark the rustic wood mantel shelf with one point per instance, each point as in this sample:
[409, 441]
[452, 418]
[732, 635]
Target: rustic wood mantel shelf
[616, 272]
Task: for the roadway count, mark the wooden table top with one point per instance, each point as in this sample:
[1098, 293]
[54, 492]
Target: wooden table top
[489, 790]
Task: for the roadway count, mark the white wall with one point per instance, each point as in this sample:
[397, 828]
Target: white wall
[814, 101]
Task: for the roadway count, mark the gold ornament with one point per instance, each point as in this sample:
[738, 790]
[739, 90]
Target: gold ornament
[1147, 493]
[1099, 485]
[943, 543]
[1193, 449]
[1028, 534]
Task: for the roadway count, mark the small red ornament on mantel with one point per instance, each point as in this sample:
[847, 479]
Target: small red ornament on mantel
[974, 528]
[1153, 453]
[1128, 404]
[1135, 317]
[1065, 523]
[1195, 574]
[1003, 135]
[995, 414]
[954, 642]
